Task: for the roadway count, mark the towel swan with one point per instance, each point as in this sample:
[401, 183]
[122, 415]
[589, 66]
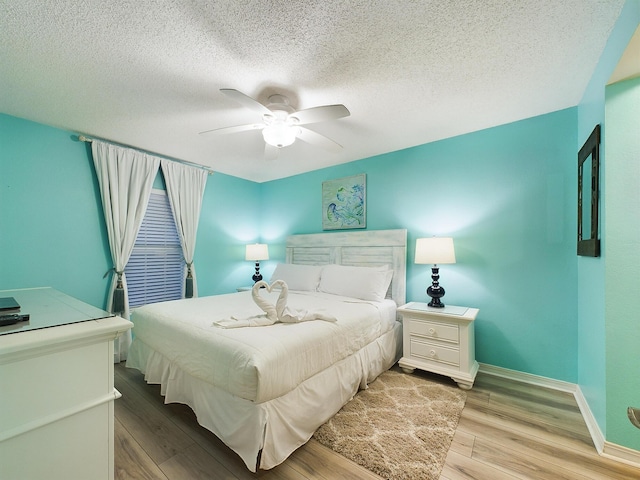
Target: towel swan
[279, 312]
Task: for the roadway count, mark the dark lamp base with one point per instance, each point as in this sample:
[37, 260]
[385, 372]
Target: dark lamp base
[435, 291]
[436, 295]
[256, 276]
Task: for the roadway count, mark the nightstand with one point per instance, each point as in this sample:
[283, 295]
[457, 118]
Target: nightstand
[439, 340]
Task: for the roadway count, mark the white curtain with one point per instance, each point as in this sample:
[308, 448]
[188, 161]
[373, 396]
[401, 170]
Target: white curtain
[185, 188]
[125, 177]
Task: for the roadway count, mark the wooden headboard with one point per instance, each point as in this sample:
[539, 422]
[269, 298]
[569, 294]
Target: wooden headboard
[368, 248]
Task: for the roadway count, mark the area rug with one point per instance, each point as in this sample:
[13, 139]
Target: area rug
[400, 428]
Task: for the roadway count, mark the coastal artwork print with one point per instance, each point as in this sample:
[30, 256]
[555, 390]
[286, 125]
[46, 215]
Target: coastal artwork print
[344, 203]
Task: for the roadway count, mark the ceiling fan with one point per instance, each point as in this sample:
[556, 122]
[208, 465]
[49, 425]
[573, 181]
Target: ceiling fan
[282, 124]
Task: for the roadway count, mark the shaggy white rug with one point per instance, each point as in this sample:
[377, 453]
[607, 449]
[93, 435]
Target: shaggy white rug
[400, 428]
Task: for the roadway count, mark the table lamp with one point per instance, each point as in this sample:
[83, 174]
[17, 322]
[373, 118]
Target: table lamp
[256, 252]
[436, 251]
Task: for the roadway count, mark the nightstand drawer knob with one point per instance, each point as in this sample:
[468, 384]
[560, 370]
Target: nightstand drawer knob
[432, 353]
[432, 331]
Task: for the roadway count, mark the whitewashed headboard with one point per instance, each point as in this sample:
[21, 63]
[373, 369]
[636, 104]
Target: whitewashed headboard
[361, 248]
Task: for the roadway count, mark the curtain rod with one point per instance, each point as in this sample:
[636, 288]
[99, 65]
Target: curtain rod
[84, 138]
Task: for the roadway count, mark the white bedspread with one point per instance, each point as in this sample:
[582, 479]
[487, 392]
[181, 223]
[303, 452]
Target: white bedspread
[259, 363]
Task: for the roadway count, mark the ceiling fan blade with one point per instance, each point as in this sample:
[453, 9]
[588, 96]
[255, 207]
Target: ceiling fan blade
[236, 129]
[270, 152]
[320, 114]
[318, 140]
[246, 101]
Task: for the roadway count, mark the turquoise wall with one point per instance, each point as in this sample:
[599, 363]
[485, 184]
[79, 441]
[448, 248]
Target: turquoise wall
[622, 274]
[52, 229]
[230, 219]
[592, 348]
[507, 195]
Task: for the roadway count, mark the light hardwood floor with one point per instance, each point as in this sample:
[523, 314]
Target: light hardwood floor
[508, 430]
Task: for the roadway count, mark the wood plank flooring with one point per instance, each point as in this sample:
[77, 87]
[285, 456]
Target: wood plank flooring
[508, 430]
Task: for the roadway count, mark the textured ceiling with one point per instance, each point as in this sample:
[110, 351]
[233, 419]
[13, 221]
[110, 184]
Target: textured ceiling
[148, 73]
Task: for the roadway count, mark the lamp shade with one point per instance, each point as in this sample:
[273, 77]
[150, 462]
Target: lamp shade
[257, 252]
[435, 250]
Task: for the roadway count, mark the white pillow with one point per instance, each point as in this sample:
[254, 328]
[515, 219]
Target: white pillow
[298, 277]
[366, 283]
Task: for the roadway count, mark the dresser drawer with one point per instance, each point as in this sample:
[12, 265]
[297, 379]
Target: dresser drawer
[435, 353]
[437, 331]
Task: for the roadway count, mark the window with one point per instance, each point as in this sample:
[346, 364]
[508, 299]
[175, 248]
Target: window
[156, 267]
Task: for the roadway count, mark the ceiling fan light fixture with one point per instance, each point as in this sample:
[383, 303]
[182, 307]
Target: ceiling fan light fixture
[279, 135]
[282, 124]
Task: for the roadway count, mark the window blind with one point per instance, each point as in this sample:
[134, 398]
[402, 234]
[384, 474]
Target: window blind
[156, 266]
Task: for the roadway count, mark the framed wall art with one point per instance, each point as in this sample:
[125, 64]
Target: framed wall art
[588, 195]
[344, 203]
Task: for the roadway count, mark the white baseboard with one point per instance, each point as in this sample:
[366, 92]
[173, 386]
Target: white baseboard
[621, 454]
[604, 448]
[590, 420]
[528, 378]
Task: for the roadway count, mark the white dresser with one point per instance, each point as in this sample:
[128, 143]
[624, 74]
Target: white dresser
[439, 340]
[57, 393]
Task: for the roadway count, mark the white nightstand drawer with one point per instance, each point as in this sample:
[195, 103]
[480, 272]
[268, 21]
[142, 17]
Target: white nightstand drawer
[437, 331]
[435, 353]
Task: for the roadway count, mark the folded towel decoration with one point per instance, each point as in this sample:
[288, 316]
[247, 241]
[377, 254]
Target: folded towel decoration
[267, 307]
[279, 312]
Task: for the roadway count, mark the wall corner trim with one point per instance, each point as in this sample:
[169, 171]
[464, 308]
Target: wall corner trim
[592, 425]
[606, 449]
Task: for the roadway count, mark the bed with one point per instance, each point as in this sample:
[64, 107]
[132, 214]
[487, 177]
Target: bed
[264, 390]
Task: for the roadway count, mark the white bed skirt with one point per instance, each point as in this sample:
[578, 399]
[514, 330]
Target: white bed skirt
[279, 426]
